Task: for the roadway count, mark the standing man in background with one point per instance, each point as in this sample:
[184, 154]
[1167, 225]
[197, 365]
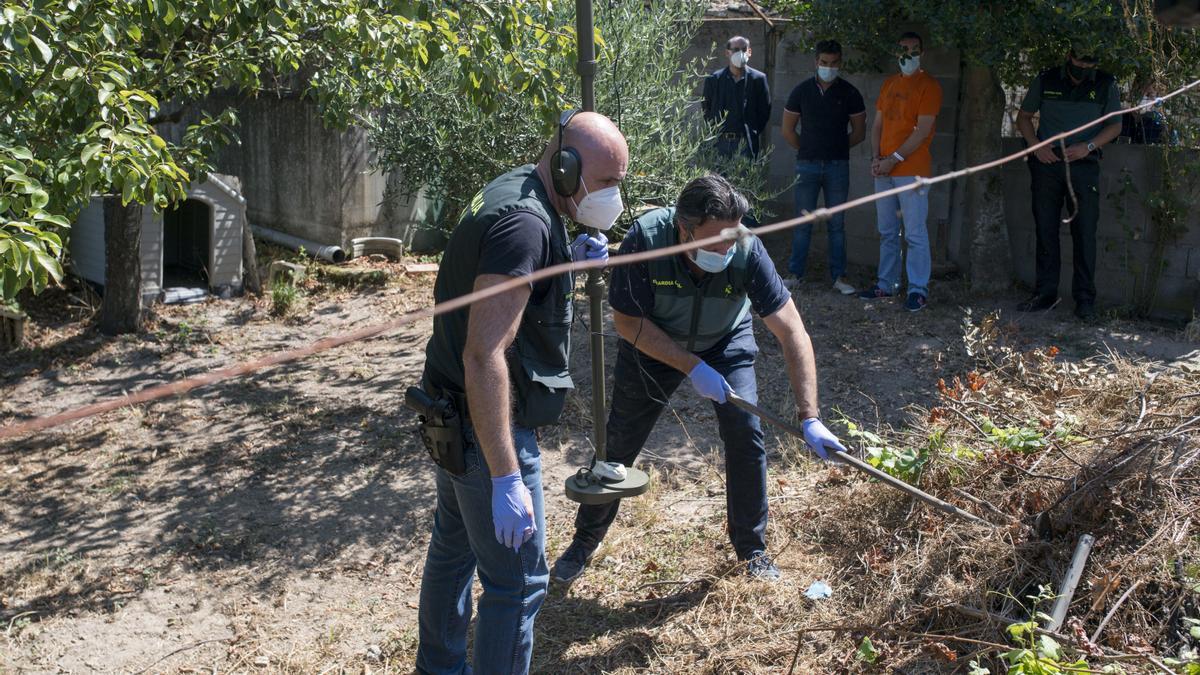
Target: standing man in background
[832, 119]
[901, 134]
[502, 366]
[739, 95]
[1066, 97]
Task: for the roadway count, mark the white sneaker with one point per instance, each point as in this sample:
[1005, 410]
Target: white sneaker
[842, 287]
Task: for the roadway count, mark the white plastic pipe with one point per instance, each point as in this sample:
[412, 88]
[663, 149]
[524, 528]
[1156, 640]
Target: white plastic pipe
[328, 252]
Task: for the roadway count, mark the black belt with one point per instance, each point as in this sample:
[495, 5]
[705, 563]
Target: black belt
[1093, 156]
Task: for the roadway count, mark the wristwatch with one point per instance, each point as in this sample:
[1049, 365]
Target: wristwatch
[1091, 146]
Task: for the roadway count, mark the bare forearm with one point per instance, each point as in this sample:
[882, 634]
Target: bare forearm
[876, 138]
[802, 373]
[1025, 126]
[488, 401]
[1107, 135]
[914, 141]
[858, 130]
[792, 138]
[788, 328]
[650, 340]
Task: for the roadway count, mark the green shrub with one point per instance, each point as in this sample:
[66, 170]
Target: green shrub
[452, 148]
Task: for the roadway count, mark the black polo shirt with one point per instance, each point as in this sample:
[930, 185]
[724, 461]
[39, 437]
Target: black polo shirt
[824, 116]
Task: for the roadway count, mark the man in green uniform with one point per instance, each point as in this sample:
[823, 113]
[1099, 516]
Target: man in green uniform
[1066, 97]
[688, 316]
[489, 515]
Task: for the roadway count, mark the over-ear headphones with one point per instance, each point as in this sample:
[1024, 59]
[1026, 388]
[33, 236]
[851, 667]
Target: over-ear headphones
[565, 165]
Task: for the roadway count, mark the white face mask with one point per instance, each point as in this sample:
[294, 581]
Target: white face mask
[739, 59]
[827, 73]
[910, 64]
[599, 209]
[713, 262]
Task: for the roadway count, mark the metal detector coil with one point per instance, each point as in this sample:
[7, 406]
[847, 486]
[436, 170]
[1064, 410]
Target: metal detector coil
[588, 487]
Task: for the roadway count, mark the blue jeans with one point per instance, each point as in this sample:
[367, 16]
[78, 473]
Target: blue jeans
[463, 541]
[913, 208]
[811, 177]
[639, 396]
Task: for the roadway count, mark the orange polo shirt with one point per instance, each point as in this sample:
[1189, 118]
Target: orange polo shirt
[901, 100]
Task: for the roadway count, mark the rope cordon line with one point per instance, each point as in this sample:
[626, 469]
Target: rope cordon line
[180, 387]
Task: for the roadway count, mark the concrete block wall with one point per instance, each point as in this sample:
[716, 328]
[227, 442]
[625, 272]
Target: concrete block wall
[309, 181]
[1125, 235]
[303, 179]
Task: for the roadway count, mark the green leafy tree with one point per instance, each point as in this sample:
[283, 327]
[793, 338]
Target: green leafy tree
[85, 84]
[643, 82]
[1005, 44]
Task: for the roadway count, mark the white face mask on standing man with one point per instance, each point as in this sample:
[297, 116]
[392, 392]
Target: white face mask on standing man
[739, 55]
[599, 209]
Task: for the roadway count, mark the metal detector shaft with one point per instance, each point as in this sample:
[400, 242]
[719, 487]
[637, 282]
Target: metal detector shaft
[586, 67]
[846, 458]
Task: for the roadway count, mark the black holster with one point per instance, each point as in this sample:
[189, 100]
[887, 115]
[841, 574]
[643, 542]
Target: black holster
[441, 429]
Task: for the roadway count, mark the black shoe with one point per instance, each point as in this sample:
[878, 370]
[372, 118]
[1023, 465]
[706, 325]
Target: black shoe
[915, 302]
[874, 293]
[1086, 311]
[571, 563]
[761, 567]
[1037, 303]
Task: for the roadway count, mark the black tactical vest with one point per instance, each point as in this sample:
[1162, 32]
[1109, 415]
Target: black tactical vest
[537, 360]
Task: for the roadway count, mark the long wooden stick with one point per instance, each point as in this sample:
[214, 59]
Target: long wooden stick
[850, 460]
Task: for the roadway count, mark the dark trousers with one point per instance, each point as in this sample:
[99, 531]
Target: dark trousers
[639, 396]
[1050, 195]
[727, 147]
[731, 143]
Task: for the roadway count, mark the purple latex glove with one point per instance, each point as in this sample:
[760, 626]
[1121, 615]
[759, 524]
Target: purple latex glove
[709, 383]
[512, 510]
[820, 439]
[587, 248]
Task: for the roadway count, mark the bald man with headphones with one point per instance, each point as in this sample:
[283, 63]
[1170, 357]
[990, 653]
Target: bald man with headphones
[489, 516]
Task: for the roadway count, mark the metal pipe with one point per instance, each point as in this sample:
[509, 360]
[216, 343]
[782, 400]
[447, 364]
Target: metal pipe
[1063, 602]
[586, 67]
[846, 458]
[328, 252]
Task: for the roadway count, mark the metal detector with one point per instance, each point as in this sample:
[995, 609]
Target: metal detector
[602, 482]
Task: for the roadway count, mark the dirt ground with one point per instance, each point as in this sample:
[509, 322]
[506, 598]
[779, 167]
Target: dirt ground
[278, 522]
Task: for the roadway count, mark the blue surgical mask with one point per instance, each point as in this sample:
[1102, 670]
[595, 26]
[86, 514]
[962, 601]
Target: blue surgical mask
[910, 64]
[713, 262]
[826, 73]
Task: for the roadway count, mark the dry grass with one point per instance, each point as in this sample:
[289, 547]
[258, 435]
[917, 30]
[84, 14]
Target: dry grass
[1108, 448]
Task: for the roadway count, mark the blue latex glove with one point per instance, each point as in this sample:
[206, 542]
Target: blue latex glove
[587, 248]
[512, 510]
[709, 383]
[820, 439]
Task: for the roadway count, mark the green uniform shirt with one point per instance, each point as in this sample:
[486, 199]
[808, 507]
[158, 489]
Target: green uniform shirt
[1065, 105]
[509, 229]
